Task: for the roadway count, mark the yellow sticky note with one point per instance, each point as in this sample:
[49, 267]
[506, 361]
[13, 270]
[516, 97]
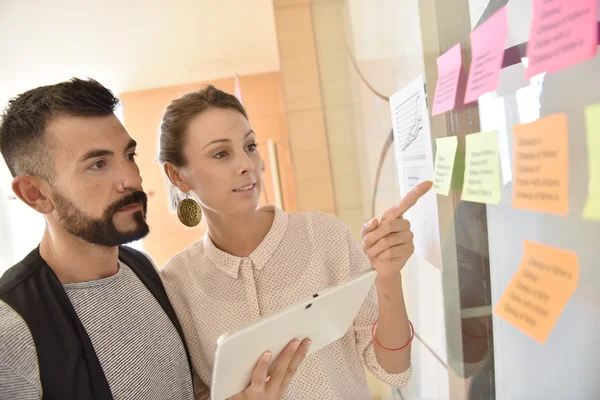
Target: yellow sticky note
[539, 290]
[591, 210]
[444, 164]
[482, 168]
[541, 168]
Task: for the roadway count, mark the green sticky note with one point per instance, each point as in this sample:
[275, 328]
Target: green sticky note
[482, 168]
[444, 164]
[591, 210]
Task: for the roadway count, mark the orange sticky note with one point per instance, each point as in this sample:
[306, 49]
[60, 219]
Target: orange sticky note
[449, 67]
[540, 165]
[539, 290]
[487, 42]
[563, 33]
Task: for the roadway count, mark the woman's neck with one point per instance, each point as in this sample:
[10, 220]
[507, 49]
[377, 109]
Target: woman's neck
[239, 235]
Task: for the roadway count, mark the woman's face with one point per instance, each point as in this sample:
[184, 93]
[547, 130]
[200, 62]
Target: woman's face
[223, 164]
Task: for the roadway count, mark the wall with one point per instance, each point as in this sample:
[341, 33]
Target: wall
[262, 96]
[304, 105]
[335, 71]
[145, 44]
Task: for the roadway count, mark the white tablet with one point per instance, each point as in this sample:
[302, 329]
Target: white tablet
[323, 317]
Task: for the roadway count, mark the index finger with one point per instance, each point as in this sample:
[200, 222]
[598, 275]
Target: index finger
[408, 201]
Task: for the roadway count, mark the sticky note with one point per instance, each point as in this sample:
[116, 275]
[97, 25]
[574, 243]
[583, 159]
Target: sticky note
[563, 33]
[444, 164]
[482, 168]
[591, 211]
[540, 165]
[539, 290]
[487, 43]
[449, 67]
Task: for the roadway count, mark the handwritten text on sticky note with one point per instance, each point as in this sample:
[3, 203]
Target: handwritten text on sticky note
[444, 164]
[449, 68]
[482, 168]
[487, 42]
[563, 33]
[541, 168]
[591, 210]
[539, 290]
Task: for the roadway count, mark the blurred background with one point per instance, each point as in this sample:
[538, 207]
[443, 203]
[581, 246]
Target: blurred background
[315, 77]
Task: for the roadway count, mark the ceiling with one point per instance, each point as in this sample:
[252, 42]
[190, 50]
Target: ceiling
[131, 44]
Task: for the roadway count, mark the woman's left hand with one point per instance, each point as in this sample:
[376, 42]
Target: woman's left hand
[389, 243]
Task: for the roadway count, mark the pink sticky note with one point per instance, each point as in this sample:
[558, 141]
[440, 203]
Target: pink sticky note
[449, 67]
[563, 34]
[487, 43]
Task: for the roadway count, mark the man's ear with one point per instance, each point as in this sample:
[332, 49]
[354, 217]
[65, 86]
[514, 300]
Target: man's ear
[175, 176]
[32, 191]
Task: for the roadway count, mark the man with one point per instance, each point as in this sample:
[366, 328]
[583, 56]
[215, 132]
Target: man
[82, 317]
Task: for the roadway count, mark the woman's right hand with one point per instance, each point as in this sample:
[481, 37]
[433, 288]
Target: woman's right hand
[273, 387]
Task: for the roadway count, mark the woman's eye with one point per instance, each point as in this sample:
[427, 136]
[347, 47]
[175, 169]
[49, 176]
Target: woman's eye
[220, 154]
[252, 147]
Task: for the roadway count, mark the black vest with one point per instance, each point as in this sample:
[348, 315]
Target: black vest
[69, 367]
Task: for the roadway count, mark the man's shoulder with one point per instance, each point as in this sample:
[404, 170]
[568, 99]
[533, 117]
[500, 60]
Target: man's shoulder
[21, 271]
[18, 355]
[14, 332]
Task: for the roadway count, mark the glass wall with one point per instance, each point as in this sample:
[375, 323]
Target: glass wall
[367, 51]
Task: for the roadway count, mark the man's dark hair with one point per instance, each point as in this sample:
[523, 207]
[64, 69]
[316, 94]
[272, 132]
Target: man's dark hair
[23, 144]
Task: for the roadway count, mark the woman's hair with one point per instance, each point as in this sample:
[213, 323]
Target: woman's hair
[180, 112]
[174, 125]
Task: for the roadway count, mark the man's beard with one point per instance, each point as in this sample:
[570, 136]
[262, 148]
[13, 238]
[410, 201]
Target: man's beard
[102, 231]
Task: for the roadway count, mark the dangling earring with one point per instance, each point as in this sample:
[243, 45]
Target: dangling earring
[189, 212]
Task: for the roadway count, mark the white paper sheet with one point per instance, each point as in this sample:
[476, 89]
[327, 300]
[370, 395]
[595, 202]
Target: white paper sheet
[414, 159]
[492, 117]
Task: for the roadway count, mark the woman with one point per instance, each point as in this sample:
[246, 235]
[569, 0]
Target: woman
[253, 261]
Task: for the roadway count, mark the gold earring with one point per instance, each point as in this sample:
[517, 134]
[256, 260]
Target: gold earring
[189, 212]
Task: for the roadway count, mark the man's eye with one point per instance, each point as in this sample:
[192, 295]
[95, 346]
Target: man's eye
[98, 164]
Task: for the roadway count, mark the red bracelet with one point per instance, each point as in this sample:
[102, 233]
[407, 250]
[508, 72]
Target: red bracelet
[412, 336]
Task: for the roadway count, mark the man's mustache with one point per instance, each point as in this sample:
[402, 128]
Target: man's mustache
[129, 200]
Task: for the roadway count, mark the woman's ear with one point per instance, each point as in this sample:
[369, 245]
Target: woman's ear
[176, 177]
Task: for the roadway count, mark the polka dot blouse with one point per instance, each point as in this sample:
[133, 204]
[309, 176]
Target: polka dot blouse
[214, 292]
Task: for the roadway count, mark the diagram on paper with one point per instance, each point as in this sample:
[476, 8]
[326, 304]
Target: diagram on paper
[414, 160]
[410, 139]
